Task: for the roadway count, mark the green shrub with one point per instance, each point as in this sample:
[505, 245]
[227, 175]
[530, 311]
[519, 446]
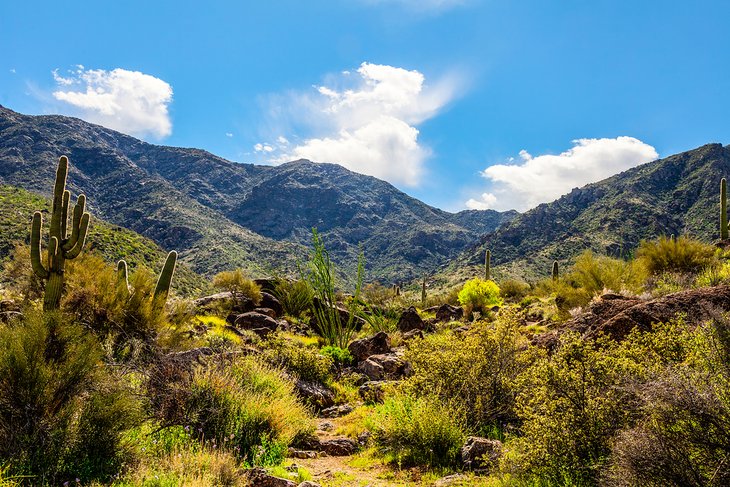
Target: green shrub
[236, 283]
[478, 367]
[479, 295]
[307, 363]
[295, 297]
[62, 413]
[682, 435]
[245, 405]
[379, 319]
[675, 254]
[418, 430]
[514, 290]
[338, 355]
[595, 273]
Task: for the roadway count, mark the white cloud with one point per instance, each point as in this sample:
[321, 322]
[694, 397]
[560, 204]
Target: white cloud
[485, 202]
[263, 148]
[12, 70]
[544, 178]
[369, 124]
[229, 134]
[129, 101]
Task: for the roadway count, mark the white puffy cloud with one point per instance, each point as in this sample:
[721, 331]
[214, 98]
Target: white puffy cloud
[129, 101]
[369, 124]
[544, 178]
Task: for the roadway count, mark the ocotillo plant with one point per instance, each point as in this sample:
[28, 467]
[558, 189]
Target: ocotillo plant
[61, 245]
[556, 274]
[487, 263]
[723, 210]
[162, 289]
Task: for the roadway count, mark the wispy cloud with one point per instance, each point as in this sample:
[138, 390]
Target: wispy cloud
[365, 120]
[129, 101]
[544, 178]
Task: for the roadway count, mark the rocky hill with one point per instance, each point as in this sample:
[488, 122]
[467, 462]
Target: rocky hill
[220, 214]
[672, 196]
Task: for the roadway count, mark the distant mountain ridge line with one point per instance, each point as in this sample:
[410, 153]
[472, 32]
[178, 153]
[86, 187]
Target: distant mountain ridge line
[221, 214]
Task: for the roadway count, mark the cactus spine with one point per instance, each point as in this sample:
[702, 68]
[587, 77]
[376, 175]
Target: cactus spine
[487, 263]
[556, 273]
[162, 289]
[723, 210]
[61, 245]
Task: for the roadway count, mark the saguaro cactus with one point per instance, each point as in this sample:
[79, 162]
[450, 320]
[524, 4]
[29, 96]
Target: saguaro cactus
[487, 263]
[423, 292]
[162, 289]
[61, 245]
[723, 210]
[556, 273]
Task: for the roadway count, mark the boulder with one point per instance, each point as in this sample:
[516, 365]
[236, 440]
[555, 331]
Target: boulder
[316, 394]
[372, 345]
[373, 392]
[309, 483]
[224, 300]
[8, 316]
[410, 320]
[259, 477]
[480, 453]
[344, 317]
[384, 366]
[446, 312]
[338, 447]
[266, 284]
[336, 411]
[269, 301]
[253, 320]
[410, 335]
[266, 311]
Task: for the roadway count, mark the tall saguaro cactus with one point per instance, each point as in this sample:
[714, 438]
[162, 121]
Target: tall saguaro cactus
[162, 289]
[723, 210]
[423, 291]
[487, 264]
[61, 245]
[556, 272]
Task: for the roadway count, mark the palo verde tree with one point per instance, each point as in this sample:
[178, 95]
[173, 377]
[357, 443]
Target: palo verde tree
[61, 245]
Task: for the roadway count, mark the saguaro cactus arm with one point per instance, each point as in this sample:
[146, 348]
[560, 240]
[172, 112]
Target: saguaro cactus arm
[487, 264]
[35, 246]
[81, 232]
[163, 282]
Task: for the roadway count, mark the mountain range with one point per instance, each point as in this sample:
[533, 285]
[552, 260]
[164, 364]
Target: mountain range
[220, 214]
[677, 195]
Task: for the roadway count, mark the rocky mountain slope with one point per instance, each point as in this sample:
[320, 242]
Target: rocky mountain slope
[221, 214]
[672, 196]
[110, 241]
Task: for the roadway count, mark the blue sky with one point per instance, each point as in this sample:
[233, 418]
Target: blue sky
[467, 103]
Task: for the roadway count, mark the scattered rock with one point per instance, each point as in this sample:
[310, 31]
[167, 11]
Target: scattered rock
[384, 366]
[451, 480]
[338, 447]
[9, 305]
[326, 425]
[446, 312]
[259, 477]
[410, 335]
[480, 453]
[410, 320]
[462, 329]
[226, 300]
[372, 345]
[373, 392]
[254, 321]
[336, 411]
[309, 483]
[189, 356]
[364, 438]
[8, 316]
[315, 394]
[269, 301]
[266, 311]
[266, 284]
[301, 454]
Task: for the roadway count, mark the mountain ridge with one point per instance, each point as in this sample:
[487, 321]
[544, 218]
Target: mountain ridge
[222, 214]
